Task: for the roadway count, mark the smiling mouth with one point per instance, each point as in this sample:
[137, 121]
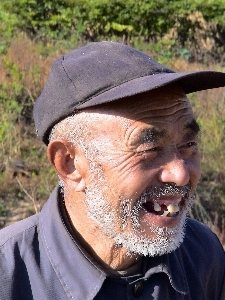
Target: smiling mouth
[164, 208]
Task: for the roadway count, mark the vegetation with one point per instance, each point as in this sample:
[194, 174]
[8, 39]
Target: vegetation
[185, 35]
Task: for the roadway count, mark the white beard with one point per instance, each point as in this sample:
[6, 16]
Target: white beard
[135, 241]
[165, 241]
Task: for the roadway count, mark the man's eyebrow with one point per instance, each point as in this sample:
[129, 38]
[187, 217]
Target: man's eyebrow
[193, 125]
[150, 134]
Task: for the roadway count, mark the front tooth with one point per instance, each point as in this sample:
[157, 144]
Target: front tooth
[157, 207]
[173, 208]
[166, 212]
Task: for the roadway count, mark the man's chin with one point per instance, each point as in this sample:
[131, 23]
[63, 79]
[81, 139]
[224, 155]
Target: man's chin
[151, 239]
[145, 247]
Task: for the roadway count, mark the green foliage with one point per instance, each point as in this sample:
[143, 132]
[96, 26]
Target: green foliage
[2, 210]
[93, 18]
[9, 90]
[41, 19]
[196, 26]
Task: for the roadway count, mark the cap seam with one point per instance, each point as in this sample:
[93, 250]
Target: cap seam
[106, 90]
[63, 59]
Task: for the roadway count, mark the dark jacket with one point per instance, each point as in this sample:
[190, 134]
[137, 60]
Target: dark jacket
[40, 260]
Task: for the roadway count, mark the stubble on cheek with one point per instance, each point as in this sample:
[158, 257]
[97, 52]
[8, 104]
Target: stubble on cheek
[120, 218]
[124, 226]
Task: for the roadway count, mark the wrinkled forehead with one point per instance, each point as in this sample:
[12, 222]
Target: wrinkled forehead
[162, 102]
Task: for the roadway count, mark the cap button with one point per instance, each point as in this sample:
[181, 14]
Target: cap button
[138, 288]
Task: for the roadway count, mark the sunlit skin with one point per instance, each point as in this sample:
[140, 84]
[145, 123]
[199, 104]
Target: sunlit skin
[153, 140]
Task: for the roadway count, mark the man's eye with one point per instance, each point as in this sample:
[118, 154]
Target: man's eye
[148, 151]
[152, 149]
[189, 145]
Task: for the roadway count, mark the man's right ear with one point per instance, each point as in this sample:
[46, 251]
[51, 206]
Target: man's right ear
[69, 162]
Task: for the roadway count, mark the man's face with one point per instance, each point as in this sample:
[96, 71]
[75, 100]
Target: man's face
[144, 167]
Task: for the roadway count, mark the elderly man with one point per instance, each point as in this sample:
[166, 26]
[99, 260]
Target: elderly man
[123, 140]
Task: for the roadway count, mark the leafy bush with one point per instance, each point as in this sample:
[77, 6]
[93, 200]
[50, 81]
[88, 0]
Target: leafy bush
[195, 25]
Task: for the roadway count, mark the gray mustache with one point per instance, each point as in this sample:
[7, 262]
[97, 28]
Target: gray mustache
[167, 189]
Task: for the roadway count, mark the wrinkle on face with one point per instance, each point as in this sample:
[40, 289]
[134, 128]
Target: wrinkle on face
[131, 133]
[126, 119]
[128, 144]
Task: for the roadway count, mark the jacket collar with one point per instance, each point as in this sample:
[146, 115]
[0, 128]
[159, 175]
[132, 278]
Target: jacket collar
[79, 278]
[171, 265]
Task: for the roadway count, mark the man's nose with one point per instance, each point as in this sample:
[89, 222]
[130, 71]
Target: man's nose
[175, 171]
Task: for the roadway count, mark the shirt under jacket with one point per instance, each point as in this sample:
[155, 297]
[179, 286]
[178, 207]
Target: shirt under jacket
[39, 259]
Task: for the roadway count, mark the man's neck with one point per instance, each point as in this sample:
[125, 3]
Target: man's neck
[95, 242]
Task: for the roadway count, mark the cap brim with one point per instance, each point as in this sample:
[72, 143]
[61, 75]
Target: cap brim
[189, 81]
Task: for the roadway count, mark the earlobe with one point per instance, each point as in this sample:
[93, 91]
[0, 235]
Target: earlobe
[64, 157]
[80, 187]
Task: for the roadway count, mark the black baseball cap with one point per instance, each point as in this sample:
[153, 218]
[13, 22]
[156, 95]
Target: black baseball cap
[102, 72]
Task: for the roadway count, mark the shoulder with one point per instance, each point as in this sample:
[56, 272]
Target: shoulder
[203, 259]
[200, 235]
[19, 245]
[202, 248]
[14, 232]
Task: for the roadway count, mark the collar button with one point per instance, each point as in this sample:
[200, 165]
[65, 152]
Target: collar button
[138, 288]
